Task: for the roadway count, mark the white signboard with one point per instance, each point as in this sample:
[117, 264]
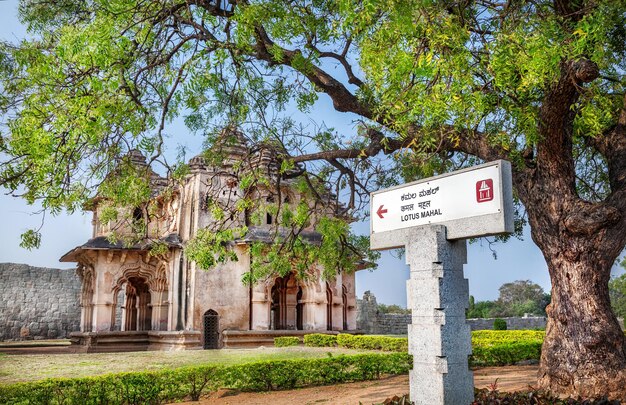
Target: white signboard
[483, 192]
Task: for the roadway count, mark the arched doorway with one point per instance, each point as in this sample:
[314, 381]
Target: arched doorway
[277, 306]
[211, 330]
[137, 313]
[285, 310]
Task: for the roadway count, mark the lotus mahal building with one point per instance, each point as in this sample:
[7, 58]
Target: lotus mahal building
[132, 300]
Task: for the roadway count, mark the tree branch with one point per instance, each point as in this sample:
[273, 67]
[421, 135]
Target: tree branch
[343, 99]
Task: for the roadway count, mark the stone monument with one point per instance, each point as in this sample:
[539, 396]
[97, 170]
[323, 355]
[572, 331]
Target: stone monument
[431, 219]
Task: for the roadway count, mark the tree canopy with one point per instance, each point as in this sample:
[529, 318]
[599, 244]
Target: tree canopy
[431, 85]
[517, 298]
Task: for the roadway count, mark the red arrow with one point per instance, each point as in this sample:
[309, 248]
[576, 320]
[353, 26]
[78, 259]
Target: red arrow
[381, 211]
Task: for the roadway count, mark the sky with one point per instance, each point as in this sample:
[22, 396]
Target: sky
[516, 259]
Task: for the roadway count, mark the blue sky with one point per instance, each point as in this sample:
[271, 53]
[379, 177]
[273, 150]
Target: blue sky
[517, 260]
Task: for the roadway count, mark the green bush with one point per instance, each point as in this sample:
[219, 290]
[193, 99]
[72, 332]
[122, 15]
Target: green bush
[508, 335]
[499, 347]
[320, 340]
[499, 324]
[490, 347]
[286, 341]
[192, 382]
[505, 353]
[372, 342]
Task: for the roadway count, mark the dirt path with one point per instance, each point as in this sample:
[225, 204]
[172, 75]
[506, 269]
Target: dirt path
[512, 378]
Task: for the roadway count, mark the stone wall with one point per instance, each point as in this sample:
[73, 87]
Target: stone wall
[517, 323]
[370, 321]
[38, 303]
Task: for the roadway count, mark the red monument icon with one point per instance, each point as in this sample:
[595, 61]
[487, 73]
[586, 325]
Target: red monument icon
[484, 190]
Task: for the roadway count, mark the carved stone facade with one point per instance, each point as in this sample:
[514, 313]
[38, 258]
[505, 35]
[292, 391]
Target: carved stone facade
[166, 301]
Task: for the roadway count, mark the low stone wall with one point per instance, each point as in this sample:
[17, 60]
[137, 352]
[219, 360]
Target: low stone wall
[516, 323]
[370, 321]
[394, 324]
[38, 303]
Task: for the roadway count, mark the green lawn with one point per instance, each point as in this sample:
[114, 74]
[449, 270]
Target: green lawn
[17, 368]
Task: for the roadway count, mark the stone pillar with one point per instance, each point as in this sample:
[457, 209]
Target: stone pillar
[290, 306]
[86, 316]
[101, 321]
[260, 308]
[160, 309]
[439, 336]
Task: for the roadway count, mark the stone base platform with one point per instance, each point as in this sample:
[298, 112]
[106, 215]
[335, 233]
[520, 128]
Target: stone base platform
[130, 341]
[255, 338]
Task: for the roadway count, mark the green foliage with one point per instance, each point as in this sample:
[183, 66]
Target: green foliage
[193, 382]
[392, 309]
[520, 297]
[31, 239]
[369, 342]
[209, 247]
[500, 347]
[499, 324]
[286, 341]
[489, 347]
[505, 353]
[480, 309]
[617, 293]
[94, 80]
[158, 248]
[516, 299]
[338, 251]
[320, 340]
[487, 337]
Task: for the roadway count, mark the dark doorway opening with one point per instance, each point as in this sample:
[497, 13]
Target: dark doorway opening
[137, 306]
[299, 309]
[329, 308]
[211, 330]
[344, 301]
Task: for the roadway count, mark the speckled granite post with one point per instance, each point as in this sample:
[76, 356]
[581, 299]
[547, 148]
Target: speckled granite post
[439, 336]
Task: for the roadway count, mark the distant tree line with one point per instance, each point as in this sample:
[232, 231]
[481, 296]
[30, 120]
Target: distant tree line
[392, 309]
[525, 297]
[516, 299]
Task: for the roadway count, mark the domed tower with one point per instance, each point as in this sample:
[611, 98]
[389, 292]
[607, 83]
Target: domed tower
[213, 182]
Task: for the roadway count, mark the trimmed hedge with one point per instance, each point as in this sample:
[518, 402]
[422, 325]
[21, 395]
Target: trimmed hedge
[490, 347]
[505, 353]
[192, 382]
[484, 336]
[286, 341]
[372, 342]
[320, 340]
[499, 347]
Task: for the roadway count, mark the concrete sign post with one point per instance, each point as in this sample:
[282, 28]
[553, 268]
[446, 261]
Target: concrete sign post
[432, 218]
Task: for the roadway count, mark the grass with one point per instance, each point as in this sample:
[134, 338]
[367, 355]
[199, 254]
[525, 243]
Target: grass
[19, 368]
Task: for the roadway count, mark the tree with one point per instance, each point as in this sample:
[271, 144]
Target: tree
[480, 309]
[432, 85]
[393, 309]
[520, 297]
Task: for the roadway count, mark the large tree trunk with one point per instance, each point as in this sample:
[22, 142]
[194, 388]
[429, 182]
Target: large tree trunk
[583, 353]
